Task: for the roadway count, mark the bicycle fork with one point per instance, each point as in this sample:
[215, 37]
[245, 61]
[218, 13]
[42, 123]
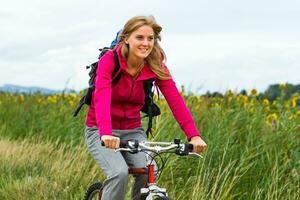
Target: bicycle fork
[152, 189]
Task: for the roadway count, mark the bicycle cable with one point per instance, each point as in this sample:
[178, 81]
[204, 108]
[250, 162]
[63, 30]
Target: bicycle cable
[159, 168]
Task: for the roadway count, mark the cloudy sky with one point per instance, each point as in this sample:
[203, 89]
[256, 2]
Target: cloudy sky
[210, 45]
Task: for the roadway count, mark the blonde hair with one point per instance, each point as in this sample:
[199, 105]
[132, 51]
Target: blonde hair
[157, 56]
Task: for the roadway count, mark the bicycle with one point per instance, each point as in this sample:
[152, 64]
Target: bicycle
[151, 191]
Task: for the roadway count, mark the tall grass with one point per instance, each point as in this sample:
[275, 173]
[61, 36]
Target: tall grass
[253, 149]
[43, 170]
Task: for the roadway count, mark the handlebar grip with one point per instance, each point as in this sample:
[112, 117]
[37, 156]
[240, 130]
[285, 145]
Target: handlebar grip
[190, 147]
[123, 143]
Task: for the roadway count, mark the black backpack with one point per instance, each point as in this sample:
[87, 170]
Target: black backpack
[150, 108]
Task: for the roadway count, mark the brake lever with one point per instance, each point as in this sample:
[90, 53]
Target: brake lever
[133, 151]
[123, 149]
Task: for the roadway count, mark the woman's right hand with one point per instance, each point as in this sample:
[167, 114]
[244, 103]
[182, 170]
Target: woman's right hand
[110, 141]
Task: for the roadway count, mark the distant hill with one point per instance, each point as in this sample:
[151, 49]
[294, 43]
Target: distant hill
[30, 90]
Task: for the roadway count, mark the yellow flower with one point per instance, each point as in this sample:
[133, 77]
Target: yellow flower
[297, 114]
[266, 102]
[272, 118]
[294, 101]
[52, 99]
[22, 98]
[254, 93]
[243, 99]
[229, 93]
[286, 104]
[71, 103]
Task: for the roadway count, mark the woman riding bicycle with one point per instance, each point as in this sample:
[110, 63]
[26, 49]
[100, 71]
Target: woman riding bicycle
[114, 113]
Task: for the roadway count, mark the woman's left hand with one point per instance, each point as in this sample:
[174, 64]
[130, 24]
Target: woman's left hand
[198, 144]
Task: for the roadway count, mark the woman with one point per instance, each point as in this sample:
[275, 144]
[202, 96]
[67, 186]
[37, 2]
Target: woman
[115, 110]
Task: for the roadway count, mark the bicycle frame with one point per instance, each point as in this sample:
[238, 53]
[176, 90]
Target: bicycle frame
[152, 149]
[151, 188]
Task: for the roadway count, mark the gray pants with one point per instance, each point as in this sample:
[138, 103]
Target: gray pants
[115, 164]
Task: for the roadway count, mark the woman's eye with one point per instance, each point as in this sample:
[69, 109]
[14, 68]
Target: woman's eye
[140, 38]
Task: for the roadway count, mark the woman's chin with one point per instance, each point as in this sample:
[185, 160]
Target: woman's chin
[143, 55]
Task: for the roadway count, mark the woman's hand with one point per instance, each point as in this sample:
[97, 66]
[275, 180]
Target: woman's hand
[110, 141]
[198, 144]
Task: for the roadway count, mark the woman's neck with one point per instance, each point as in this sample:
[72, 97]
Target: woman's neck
[134, 63]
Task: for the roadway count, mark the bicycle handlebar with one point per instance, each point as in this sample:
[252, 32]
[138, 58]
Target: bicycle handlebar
[134, 146]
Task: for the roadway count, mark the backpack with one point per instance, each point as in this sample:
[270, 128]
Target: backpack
[150, 108]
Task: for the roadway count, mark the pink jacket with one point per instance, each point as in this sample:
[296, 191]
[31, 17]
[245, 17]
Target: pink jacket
[118, 106]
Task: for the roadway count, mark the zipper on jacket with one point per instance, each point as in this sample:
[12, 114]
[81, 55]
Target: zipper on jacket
[132, 86]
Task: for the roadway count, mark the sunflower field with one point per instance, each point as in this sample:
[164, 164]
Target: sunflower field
[253, 148]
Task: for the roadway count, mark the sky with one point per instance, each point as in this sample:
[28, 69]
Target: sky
[211, 45]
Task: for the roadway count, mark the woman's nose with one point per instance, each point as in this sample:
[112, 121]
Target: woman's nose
[145, 42]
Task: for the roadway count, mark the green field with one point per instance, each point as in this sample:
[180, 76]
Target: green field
[253, 148]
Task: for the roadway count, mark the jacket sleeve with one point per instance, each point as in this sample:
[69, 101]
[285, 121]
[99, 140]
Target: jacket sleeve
[102, 93]
[178, 107]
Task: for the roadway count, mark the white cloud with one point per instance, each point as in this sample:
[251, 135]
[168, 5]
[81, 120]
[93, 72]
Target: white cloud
[234, 60]
[214, 45]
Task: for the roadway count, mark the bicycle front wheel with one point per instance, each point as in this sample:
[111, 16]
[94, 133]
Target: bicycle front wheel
[94, 192]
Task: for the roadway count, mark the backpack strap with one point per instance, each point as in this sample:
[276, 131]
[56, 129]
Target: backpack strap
[116, 75]
[149, 103]
[81, 103]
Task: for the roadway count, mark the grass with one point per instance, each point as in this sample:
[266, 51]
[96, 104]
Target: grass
[253, 153]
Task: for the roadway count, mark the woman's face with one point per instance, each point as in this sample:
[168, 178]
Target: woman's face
[141, 42]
